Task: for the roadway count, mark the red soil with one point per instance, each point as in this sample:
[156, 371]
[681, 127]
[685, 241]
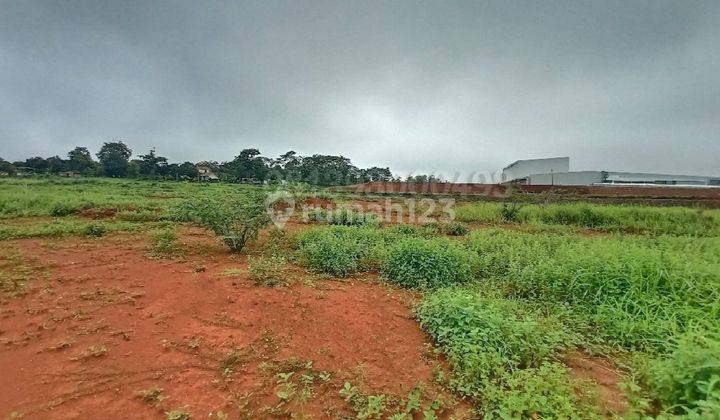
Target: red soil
[317, 202]
[103, 213]
[171, 324]
[604, 377]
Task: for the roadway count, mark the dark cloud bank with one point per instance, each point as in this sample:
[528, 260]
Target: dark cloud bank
[417, 86]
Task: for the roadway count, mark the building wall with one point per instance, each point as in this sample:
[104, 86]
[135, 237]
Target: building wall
[523, 168]
[566, 178]
[598, 177]
[641, 178]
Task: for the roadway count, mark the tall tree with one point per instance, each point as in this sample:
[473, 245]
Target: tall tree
[37, 164]
[288, 166]
[185, 170]
[248, 165]
[328, 170]
[80, 159]
[152, 164]
[56, 164]
[7, 167]
[376, 174]
[114, 158]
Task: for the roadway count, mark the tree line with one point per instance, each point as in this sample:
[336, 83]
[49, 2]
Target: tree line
[114, 160]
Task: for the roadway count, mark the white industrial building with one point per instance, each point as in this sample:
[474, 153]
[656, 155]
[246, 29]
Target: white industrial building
[556, 171]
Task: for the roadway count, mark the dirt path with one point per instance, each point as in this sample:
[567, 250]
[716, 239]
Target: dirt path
[108, 322]
[605, 379]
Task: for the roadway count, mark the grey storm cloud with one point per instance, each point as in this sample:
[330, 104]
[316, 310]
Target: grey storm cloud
[415, 85]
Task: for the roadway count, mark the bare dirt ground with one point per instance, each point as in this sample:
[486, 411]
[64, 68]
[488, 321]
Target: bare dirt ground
[108, 332]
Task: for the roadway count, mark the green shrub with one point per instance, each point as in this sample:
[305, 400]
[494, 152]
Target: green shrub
[454, 228]
[502, 354]
[341, 250]
[688, 380]
[165, 244]
[63, 208]
[403, 229]
[278, 243]
[510, 212]
[544, 392]
[94, 229]
[484, 336]
[317, 215]
[236, 218]
[268, 271]
[427, 263]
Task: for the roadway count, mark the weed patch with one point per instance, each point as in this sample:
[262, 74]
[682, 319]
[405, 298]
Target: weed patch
[16, 273]
[427, 263]
[341, 250]
[165, 244]
[502, 354]
[268, 271]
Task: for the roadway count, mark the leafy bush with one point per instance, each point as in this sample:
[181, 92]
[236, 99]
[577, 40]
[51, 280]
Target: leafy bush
[278, 243]
[317, 215]
[502, 354]
[688, 380]
[510, 212]
[341, 250]
[402, 229]
[484, 336]
[64, 208]
[542, 392]
[454, 228]
[427, 263]
[165, 244]
[236, 218]
[96, 230]
[267, 271]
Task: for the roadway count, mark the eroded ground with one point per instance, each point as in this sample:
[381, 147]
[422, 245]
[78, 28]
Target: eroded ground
[104, 330]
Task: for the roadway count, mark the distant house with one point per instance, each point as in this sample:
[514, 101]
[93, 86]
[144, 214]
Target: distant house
[205, 172]
[69, 174]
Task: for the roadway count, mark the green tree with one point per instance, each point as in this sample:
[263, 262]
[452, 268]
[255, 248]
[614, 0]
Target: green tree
[114, 157]
[8, 167]
[186, 170]
[37, 164]
[152, 164]
[80, 159]
[288, 166]
[328, 170]
[56, 164]
[133, 169]
[248, 165]
[376, 174]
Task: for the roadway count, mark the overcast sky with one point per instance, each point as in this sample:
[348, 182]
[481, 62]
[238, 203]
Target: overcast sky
[417, 86]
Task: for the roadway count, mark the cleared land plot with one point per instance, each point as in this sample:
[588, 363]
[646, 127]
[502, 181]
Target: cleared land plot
[114, 300]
